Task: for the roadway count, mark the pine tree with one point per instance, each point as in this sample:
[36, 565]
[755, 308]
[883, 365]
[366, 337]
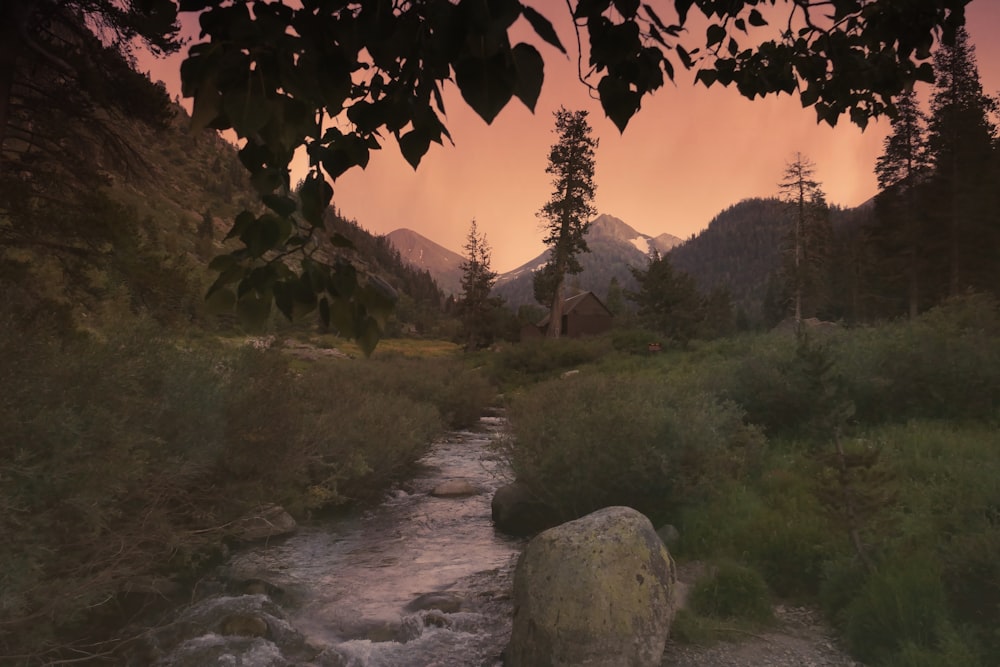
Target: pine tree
[961, 144]
[902, 169]
[810, 234]
[668, 301]
[476, 307]
[567, 214]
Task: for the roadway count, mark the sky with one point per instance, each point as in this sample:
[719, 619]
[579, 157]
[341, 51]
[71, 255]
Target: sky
[688, 154]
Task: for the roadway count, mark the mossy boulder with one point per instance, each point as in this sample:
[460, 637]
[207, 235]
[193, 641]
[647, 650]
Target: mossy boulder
[597, 591]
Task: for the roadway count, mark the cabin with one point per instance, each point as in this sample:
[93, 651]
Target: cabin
[583, 315]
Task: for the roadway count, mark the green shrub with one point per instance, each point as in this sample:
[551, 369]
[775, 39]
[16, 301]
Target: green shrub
[732, 590]
[593, 440]
[539, 359]
[903, 604]
[778, 527]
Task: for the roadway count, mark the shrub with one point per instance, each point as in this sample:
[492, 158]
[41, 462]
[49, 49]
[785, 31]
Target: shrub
[590, 441]
[903, 605]
[534, 360]
[732, 590]
[777, 527]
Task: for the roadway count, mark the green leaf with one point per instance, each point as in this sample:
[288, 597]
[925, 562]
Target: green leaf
[756, 19]
[369, 334]
[619, 101]
[543, 27]
[414, 145]
[280, 204]
[714, 35]
[530, 74]
[685, 57]
[706, 76]
[682, 7]
[486, 84]
[247, 107]
[315, 195]
[207, 106]
[242, 220]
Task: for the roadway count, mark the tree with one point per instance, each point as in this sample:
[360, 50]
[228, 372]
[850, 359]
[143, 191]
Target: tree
[901, 169]
[567, 214]
[809, 229]
[961, 146]
[475, 306]
[338, 78]
[668, 301]
[615, 298]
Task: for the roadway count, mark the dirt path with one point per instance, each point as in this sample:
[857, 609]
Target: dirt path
[799, 638]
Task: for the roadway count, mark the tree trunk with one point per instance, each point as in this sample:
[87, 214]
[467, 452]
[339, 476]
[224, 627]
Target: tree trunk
[556, 312]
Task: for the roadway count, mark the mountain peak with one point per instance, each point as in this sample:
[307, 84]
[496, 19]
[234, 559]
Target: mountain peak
[609, 227]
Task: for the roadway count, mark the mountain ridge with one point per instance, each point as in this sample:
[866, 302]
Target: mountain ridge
[617, 246]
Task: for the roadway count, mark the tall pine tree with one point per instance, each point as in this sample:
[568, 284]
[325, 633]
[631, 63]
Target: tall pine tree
[961, 144]
[903, 169]
[476, 307]
[567, 214]
[810, 237]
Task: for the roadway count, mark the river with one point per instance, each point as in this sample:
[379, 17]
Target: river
[416, 581]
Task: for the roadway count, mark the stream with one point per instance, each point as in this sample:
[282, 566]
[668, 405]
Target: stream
[417, 581]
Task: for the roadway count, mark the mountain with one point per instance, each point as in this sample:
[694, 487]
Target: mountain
[741, 249]
[614, 247]
[420, 252]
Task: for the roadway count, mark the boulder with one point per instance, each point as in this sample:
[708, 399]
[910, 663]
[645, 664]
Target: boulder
[266, 522]
[455, 488]
[516, 511]
[598, 591]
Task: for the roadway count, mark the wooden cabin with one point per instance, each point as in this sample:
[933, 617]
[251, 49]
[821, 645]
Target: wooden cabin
[583, 315]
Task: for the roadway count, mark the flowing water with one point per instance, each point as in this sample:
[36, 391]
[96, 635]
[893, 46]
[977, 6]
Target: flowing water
[357, 587]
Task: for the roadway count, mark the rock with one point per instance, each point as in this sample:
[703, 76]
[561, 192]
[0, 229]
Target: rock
[449, 603]
[597, 591]
[669, 534]
[516, 511]
[266, 522]
[455, 488]
[244, 625]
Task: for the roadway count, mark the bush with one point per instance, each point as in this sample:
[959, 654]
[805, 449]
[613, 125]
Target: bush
[902, 605]
[535, 360]
[733, 591]
[590, 441]
[778, 527]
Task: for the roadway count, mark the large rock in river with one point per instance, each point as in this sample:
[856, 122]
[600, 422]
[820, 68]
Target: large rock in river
[597, 591]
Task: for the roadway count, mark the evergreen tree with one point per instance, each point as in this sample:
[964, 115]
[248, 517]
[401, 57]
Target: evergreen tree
[668, 301]
[902, 169]
[567, 214]
[809, 246]
[961, 144]
[615, 298]
[476, 307]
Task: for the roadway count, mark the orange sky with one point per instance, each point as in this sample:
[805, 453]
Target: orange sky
[688, 154]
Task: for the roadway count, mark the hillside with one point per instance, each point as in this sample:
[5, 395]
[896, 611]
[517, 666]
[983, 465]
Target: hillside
[420, 252]
[614, 247]
[739, 250]
[136, 226]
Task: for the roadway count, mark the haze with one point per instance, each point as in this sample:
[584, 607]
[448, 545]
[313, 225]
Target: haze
[689, 153]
